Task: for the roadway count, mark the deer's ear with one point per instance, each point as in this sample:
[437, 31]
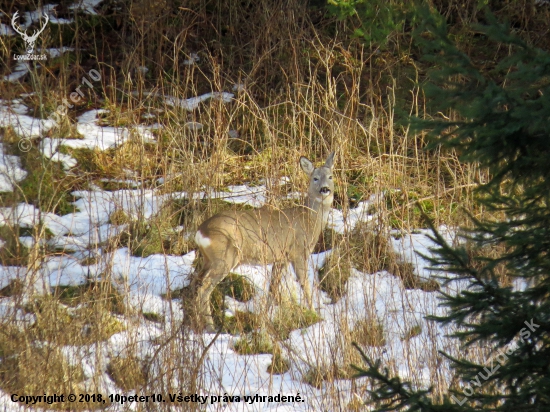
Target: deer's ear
[306, 165]
[330, 160]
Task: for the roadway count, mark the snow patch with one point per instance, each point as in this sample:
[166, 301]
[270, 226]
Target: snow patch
[10, 171]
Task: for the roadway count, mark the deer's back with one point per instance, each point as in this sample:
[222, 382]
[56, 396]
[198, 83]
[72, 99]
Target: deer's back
[264, 235]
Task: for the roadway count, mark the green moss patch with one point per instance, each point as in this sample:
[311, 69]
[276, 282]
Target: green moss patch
[118, 217]
[254, 343]
[236, 286]
[287, 319]
[157, 235]
[99, 292]
[46, 185]
[91, 321]
[153, 317]
[241, 322]
[13, 252]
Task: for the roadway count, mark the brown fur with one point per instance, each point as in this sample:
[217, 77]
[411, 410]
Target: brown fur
[264, 236]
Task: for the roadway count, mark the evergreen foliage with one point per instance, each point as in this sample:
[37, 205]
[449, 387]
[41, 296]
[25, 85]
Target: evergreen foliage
[504, 126]
[376, 20]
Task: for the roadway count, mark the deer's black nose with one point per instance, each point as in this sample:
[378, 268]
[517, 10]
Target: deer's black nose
[324, 190]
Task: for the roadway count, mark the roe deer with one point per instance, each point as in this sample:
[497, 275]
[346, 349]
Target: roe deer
[264, 235]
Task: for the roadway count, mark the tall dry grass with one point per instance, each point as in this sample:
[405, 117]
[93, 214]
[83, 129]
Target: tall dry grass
[307, 88]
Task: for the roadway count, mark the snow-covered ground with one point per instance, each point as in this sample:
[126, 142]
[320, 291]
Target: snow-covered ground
[224, 371]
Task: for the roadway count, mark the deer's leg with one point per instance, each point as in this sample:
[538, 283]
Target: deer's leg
[275, 284]
[300, 267]
[193, 308]
[220, 262]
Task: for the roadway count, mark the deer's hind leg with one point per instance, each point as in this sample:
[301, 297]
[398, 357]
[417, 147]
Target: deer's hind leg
[219, 259]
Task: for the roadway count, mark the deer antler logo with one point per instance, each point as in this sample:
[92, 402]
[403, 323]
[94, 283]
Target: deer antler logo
[29, 40]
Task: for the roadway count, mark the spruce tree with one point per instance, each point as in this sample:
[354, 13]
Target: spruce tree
[505, 128]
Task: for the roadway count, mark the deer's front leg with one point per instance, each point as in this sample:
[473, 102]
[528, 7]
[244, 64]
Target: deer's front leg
[300, 267]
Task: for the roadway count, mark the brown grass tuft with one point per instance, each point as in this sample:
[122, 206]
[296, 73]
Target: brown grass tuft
[127, 372]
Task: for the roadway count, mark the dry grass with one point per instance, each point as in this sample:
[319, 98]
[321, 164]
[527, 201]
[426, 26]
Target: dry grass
[92, 319]
[127, 372]
[279, 364]
[307, 89]
[366, 248]
[368, 332]
[28, 366]
[42, 370]
[290, 316]
[478, 260]
[255, 343]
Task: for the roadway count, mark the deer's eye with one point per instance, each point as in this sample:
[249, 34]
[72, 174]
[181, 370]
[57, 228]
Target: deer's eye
[330, 177]
[315, 179]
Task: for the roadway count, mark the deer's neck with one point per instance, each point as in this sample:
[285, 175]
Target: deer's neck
[320, 208]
